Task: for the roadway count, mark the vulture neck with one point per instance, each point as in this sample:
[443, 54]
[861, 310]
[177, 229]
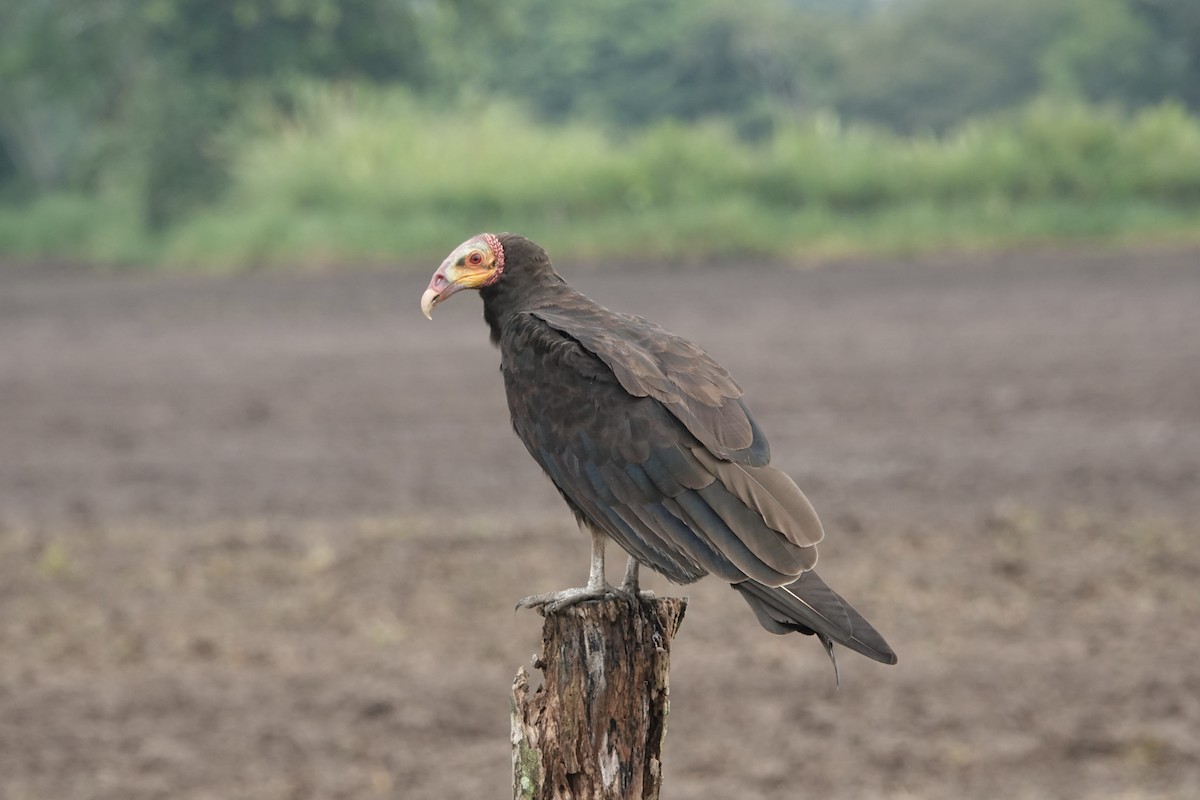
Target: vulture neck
[524, 287]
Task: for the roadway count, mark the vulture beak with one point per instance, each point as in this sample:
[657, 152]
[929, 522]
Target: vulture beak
[428, 300]
[472, 265]
[441, 285]
[451, 277]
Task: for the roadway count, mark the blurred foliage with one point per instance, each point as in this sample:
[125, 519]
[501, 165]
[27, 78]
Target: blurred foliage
[136, 123]
[138, 91]
[368, 174]
[624, 63]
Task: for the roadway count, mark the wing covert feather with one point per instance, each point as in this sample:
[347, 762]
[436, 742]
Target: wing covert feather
[650, 361]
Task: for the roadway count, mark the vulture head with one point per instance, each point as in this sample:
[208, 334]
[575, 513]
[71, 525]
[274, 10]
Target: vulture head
[497, 264]
[474, 264]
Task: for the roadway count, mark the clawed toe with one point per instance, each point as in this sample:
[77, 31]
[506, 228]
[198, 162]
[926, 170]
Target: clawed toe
[553, 602]
[633, 593]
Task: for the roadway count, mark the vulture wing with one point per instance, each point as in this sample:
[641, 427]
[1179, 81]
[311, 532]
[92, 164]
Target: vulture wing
[647, 439]
[650, 361]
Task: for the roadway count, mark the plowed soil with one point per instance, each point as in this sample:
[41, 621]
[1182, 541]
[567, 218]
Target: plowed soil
[261, 536]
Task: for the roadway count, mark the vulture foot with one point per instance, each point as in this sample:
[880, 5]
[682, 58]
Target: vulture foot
[553, 602]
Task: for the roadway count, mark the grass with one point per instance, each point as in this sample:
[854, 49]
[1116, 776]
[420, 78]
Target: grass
[361, 176]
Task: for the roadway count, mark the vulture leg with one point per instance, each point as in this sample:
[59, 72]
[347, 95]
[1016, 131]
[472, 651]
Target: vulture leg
[630, 582]
[596, 589]
[630, 585]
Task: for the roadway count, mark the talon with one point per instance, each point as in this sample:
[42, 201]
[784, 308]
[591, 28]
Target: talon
[633, 593]
[553, 602]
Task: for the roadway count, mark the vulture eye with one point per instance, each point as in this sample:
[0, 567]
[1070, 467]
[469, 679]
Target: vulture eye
[475, 259]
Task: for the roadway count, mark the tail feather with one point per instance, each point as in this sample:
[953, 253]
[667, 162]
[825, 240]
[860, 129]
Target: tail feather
[809, 606]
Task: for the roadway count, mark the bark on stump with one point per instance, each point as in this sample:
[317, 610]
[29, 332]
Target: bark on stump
[594, 730]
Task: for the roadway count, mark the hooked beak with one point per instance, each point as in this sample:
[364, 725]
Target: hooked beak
[446, 281]
[428, 301]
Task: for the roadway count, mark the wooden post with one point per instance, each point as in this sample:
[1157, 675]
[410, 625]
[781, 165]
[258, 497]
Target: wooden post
[594, 730]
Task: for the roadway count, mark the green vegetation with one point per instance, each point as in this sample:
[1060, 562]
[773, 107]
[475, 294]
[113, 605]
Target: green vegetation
[229, 134]
[367, 176]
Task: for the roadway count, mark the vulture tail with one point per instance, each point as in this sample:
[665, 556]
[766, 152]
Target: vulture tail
[809, 606]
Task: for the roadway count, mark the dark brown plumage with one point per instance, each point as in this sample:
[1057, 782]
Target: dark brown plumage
[648, 440]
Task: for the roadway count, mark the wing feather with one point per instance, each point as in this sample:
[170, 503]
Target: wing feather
[650, 361]
[809, 606]
[773, 495]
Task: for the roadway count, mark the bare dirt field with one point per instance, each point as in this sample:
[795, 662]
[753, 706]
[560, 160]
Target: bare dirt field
[260, 536]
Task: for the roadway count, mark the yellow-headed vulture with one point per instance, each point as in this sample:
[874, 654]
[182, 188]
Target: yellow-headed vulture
[648, 440]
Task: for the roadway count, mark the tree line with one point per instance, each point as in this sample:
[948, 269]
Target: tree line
[148, 93]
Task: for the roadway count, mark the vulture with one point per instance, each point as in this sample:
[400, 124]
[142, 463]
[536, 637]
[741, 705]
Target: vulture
[649, 442]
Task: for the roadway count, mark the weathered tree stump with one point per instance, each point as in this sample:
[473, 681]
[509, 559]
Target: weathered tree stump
[595, 729]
